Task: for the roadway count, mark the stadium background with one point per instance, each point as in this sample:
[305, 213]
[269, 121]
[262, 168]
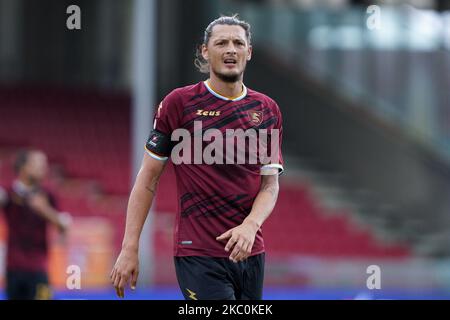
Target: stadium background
[366, 135]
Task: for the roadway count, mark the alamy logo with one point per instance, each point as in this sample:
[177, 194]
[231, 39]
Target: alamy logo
[73, 22]
[374, 20]
[73, 281]
[374, 280]
[241, 147]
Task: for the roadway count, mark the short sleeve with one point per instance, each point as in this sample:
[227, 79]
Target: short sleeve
[166, 119]
[274, 144]
[167, 115]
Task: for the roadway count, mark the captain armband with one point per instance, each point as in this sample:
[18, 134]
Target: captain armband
[158, 145]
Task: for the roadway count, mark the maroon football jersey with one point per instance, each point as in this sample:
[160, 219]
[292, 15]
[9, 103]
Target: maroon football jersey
[213, 198]
[27, 233]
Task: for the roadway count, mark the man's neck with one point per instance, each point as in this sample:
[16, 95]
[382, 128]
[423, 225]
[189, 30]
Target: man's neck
[230, 90]
[27, 183]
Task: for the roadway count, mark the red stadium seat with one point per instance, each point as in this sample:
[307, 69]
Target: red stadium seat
[90, 140]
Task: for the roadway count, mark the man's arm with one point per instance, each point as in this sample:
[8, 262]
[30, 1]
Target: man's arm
[40, 203]
[141, 198]
[242, 237]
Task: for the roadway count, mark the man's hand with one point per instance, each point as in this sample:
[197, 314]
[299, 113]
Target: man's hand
[241, 238]
[141, 198]
[125, 269]
[64, 222]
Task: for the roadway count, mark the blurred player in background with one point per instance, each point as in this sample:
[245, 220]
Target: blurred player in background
[219, 249]
[29, 208]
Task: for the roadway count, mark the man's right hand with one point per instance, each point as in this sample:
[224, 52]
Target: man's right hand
[126, 269]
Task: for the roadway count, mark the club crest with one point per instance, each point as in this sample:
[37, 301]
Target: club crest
[256, 117]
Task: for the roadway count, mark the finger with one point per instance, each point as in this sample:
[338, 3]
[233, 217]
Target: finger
[247, 250]
[250, 247]
[123, 282]
[113, 273]
[134, 277]
[118, 292]
[241, 254]
[116, 284]
[224, 236]
[236, 250]
[112, 276]
[237, 257]
[230, 244]
[240, 257]
[116, 279]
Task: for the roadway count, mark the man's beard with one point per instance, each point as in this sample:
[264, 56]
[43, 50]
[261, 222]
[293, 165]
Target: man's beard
[33, 181]
[228, 78]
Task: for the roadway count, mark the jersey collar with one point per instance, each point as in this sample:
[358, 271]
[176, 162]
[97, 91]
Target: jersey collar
[20, 188]
[218, 95]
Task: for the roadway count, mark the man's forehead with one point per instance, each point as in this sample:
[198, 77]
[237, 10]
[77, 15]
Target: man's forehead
[228, 31]
[38, 155]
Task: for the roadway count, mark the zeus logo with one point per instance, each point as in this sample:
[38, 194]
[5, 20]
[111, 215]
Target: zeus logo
[201, 112]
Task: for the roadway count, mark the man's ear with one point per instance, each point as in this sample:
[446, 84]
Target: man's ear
[250, 50]
[205, 53]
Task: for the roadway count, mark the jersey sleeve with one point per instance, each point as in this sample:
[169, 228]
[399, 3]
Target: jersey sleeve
[166, 120]
[274, 145]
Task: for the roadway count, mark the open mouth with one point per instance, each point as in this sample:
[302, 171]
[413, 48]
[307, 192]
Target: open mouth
[230, 62]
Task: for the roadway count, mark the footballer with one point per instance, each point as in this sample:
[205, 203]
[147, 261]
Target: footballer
[218, 242]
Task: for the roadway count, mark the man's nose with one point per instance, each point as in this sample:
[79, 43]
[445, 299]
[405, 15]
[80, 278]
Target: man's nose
[231, 49]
